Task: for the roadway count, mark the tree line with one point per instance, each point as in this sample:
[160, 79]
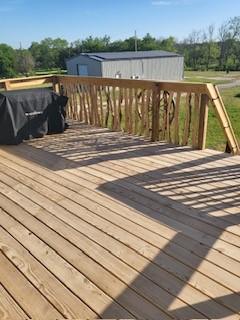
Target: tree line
[210, 49]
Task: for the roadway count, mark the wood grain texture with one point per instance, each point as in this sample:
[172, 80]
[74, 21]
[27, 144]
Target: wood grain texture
[41, 278]
[9, 309]
[26, 295]
[127, 227]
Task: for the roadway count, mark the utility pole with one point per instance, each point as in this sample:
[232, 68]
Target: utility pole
[135, 38]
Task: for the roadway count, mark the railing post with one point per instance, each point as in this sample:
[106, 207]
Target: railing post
[155, 112]
[56, 84]
[203, 122]
[6, 85]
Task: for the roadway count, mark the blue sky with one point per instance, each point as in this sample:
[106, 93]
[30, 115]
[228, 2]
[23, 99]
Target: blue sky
[32, 20]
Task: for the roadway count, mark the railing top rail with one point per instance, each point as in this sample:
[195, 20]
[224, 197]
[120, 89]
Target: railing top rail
[23, 79]
[19, 83]
[186, 87]
[133, 83]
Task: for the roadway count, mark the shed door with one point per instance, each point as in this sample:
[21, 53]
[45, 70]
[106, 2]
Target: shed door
[82, 69]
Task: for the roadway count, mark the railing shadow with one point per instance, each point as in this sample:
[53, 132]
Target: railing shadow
[144, 192]
[82, 145]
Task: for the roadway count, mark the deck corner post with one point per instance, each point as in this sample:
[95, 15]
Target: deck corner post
[6, 85]
[155, 112]
[203, 122]
[56, 84]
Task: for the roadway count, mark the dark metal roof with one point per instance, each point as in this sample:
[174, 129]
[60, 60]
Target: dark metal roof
[104, 56]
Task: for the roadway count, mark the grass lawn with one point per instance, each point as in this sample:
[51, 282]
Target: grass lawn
[215, 137]
[216, 77]
[212, 74]
[49, 72]
[231, 98]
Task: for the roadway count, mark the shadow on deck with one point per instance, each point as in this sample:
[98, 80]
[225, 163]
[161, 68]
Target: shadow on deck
[195, 194]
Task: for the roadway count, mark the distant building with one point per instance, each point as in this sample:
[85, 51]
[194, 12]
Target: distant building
[154, 65]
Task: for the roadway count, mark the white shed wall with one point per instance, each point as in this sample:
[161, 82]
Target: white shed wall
[167, 68]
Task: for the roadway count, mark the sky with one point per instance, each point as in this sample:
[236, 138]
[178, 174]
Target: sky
[24, 21]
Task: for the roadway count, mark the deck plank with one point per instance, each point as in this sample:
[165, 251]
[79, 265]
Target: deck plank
[144, 229]
[50, 287]
[9, 309]
[27, 296]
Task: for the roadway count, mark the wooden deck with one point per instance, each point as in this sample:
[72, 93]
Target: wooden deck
[98, 224]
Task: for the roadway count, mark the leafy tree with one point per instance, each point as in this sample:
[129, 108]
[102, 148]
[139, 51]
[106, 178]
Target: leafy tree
[24, 62]
[148, 43]
[7, 61]
[129, 43]
[91, 44]
[194, 47]
[118, 45]
[229, 34]
[168, 44]
[209, 37]
[49, 53]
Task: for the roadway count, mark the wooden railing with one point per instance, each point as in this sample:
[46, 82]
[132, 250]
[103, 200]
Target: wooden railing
[138, 107]
[176, 112]
[20, 83]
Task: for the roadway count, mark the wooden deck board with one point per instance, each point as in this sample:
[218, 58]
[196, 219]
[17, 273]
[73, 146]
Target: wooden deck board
[102, 224]
[9, 308]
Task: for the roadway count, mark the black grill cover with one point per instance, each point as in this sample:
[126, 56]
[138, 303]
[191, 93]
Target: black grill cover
[30, 113]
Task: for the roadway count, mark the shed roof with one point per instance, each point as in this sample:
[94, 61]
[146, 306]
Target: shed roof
[125, 55]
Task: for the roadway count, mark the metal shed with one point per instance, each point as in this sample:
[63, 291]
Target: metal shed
[154, 65]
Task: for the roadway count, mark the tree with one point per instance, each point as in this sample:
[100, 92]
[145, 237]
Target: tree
[24, 62]
[233, 59]
[168, 44]
[130, 43]
[234, 27]
[148, 43]
[229, 33]
[209, 36]
[96, 44]
[7, 61]
[49, 53]
[225, 40]
[118, 45]
[194, 55]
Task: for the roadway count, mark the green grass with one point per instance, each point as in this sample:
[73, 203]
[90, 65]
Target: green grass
[231, 98]
[212, 74]
[215, 137]
[205, 80]
[215, 77]
[49, 72]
